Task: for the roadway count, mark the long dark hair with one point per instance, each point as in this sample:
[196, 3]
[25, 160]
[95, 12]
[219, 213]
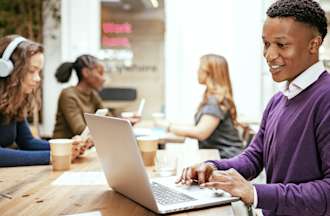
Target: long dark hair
[64, 71]
[14, 103]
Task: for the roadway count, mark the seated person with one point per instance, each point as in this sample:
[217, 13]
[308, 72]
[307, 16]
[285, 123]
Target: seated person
[215, 120]
[82, 98]
[20, 66]
[293, 141]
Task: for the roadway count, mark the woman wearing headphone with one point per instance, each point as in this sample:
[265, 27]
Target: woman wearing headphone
[20, 66]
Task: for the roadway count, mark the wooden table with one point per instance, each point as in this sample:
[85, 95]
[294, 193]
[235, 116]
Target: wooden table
[31, 191]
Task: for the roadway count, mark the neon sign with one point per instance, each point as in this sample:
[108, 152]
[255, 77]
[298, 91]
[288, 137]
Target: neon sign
[112, 34]
[110, 27]
[115, 41]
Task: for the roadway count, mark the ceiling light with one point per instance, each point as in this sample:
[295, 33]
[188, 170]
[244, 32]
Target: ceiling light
[154, 3]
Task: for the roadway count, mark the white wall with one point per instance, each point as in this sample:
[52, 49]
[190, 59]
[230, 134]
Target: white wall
[80, 28]
[193, 28]
[77, 34]
[228, 28]
[51, 89]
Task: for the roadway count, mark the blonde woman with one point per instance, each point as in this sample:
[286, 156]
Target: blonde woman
[215, 120]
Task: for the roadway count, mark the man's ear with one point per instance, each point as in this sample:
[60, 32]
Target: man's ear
[315, 44]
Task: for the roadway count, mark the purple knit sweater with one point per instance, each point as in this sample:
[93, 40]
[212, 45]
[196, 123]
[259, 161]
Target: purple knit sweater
[293, 144]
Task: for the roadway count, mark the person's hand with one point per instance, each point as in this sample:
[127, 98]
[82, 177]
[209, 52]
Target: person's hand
[199, 173]
[79, 145]
[76, 151]
[232, 182]
[89, 143]
[134, 119]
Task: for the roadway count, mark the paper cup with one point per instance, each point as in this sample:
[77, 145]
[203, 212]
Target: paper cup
[61, 150]
[148, 146]
[127, 114]
[157, 117]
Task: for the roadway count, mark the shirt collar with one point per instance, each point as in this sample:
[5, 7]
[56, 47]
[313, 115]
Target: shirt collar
[302, 81]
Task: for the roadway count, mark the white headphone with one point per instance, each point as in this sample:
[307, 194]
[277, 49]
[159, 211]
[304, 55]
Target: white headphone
[7, 66]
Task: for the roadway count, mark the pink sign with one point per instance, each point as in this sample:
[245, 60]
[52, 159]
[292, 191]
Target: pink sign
[115, 42]
[117, 28]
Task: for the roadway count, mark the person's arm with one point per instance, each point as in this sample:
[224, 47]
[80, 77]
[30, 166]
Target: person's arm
[234, 172]
[210, 116]
[201, 131]
[310, 197]
[25, 140]
[13, 157]
[250, 162]
[72, 113]
[307, 198]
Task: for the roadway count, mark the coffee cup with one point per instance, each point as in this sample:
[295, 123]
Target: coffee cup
[61, 150]
[157, 117]
[148, 146]
[127, 114]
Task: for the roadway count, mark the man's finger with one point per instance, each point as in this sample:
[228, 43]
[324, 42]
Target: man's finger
[180, 179]
[184, 176]
[201, 176]
[201, 173]
[219, 176]
[219, 185]
[189, 176]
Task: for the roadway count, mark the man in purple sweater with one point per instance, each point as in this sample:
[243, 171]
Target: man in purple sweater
[293, 142]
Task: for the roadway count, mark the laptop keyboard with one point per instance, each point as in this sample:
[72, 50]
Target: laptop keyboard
[167, 196]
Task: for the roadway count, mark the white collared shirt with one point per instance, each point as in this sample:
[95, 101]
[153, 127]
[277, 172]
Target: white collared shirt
[302, 81]
[291, 90]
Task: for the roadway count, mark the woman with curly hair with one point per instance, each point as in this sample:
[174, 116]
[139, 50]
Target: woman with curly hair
[216, 118]
[20, 66]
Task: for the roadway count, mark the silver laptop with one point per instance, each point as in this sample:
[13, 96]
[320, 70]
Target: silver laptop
[124, 170]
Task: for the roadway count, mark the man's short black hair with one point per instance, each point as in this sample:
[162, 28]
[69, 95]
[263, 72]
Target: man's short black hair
[306, 11]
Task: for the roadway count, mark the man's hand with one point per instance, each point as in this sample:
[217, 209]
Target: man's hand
[232, 182]
[199, 173]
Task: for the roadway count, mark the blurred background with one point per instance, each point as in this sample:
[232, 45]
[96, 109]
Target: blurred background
[151, 48]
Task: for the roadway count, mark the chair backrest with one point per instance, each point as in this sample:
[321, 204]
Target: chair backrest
[246, 134]
[118, 94]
